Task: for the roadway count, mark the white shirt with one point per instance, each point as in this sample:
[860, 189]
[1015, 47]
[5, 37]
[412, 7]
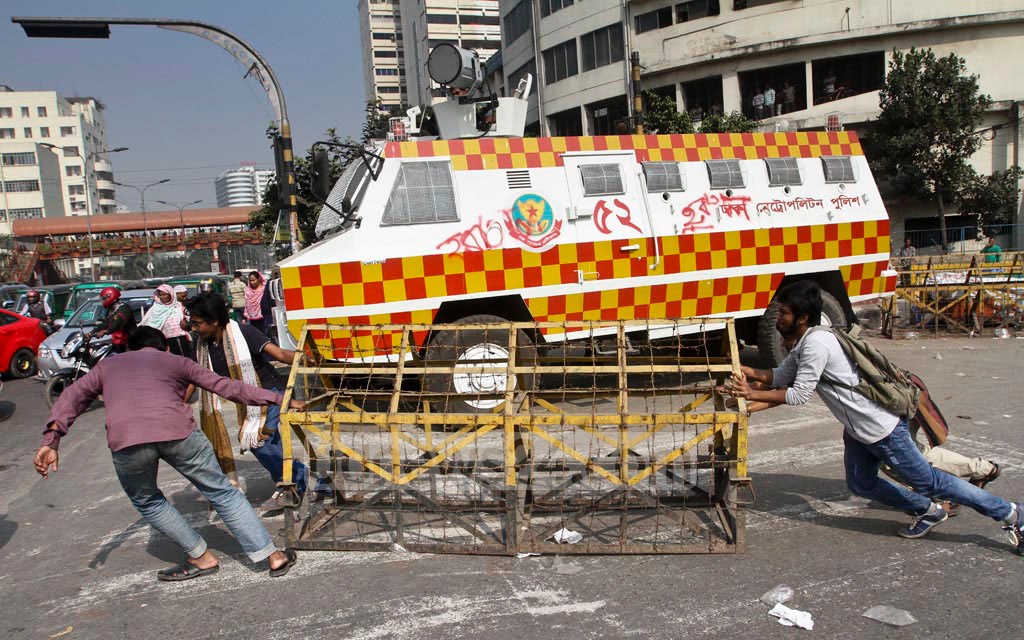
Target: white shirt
[817, 353]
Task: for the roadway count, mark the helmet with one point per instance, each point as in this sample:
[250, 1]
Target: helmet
[33, 295]
[109, 296]
[206, 286]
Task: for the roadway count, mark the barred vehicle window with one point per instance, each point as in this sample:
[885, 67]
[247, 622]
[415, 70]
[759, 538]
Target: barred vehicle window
[838, 169]
[725, 174]
[783, 171]
[663, 176]
[423, 194]
[601, 179]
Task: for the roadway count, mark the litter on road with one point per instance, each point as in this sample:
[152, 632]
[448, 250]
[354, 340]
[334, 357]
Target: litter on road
[890, 615]
[792, 617]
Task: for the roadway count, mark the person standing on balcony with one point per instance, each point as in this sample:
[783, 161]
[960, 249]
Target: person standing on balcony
[769, 101]
[758, 104]
[788, 98]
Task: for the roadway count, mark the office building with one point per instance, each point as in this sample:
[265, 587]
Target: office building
[241, 187]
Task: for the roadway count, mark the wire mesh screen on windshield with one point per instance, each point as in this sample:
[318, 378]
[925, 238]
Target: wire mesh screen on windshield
[328, 220]
[423, 193]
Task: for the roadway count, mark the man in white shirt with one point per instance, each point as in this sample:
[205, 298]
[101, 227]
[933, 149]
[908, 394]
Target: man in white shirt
[872, 435]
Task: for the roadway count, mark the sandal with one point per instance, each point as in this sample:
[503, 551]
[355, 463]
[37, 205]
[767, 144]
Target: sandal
[185, 571]
[290, 559]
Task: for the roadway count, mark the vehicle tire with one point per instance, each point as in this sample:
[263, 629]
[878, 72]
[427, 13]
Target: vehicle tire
[23, 364]
[463, 347]
[769, 340]
[56, 386]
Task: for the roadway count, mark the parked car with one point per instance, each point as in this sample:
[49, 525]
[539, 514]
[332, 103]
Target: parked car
[9, 294]
[50, 359]
[20, 338]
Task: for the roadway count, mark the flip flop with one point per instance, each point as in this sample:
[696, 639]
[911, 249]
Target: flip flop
[291, 558]
[185, 571]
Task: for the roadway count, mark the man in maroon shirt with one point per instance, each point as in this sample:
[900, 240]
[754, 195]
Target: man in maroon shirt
[147, 421]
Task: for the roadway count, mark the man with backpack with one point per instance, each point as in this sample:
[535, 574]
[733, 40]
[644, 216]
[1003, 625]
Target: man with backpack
[873, 434]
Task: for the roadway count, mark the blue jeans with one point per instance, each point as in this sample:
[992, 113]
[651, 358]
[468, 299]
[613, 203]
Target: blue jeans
[899, 452]
[271, 455]
[193, 458]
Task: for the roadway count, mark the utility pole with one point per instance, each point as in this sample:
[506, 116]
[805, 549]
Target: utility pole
[145, 223]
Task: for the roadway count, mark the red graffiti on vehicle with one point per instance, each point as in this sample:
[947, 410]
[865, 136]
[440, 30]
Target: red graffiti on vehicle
[602, 211]
[481, 236]
[697, 214]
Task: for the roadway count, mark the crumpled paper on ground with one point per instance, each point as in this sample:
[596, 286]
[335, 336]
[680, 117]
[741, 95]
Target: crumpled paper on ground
[890, 615]
[564, 536]
[792, 617]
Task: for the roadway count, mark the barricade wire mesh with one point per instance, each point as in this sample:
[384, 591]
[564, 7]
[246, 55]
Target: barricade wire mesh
[494, 437]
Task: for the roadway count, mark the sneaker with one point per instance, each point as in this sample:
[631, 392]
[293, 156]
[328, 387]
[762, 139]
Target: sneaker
[276, 502]
[981, 483]
[1014, 531]
[921, 525]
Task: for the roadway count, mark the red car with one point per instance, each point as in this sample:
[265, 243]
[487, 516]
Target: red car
[19, 342]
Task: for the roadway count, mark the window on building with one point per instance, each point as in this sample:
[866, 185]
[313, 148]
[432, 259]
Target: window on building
[6, 134]
[24, 214]
[76, 190]
[386, 72]
[109, 177]
[560, 62]
[602, 47]
[66, 132]
[739, 5]
[601, 179]
[566, 123]
[383, 35]
[24, 112]
[470, 20]
[41, 112]
[694, 9]
[513, 78]
[838, 78]
[78, 206]
[725, 174]
[517, 21]
[838, 169]
[658, 19]
[72, 170]
[609, 117]
[28, 132]
[783, 89]
[423, 194]
[106, 194]
[441, 18]
[6, 112]
[480, 44]
[703, 97]
[44, 132]
[21, 186]
[547, 7]
[19, 159]
[388, 90]
[663, 176]
[385, 54]
[70, 152]
[783, 172]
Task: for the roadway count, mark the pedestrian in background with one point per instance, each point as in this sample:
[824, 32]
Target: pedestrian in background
[147, 422]
[906, 254]
[254, 300]
[166, 315]
[237, 291]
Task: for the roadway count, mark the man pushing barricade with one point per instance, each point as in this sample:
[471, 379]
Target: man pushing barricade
[873, 435]
[147, 421]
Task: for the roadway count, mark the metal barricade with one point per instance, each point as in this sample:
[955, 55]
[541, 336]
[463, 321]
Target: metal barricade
[487, 438]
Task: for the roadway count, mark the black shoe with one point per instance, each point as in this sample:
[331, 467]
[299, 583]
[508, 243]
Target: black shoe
[1014, 531]
[921, 525]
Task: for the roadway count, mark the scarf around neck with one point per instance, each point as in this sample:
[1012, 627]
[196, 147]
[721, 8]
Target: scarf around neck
[159, 314]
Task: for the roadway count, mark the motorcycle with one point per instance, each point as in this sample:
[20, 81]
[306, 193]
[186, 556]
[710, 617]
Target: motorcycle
[85, 353]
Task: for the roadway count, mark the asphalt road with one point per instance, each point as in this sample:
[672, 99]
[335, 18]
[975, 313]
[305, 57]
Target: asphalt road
[73, 552]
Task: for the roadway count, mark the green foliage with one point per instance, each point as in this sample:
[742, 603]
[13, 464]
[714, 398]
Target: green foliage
[662, 116]
[925, 134]
[733, 122]
[993, 198]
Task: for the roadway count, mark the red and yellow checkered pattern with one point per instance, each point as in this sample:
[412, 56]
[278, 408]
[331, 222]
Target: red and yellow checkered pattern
[528, 153]
[435, 277]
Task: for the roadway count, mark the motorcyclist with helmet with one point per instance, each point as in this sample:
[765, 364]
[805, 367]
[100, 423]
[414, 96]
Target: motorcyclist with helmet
[119, 322]
[37, 307]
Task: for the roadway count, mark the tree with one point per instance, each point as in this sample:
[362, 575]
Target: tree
[993, 198]
[662, 116]
[925, 133]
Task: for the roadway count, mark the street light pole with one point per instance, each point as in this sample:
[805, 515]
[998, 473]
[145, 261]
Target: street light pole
[145, 223]
[89, 160]
[181, 218]
[48, 27]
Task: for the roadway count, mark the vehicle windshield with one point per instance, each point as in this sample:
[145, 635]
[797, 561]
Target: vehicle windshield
[88, 314]
[78, 296]
[10, 294]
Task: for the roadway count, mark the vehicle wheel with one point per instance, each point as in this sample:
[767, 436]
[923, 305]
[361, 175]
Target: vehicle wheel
[466, 348]
[23, 364]
[769, 340]
[54, 387]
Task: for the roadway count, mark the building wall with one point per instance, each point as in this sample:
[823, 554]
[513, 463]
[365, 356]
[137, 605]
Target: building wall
[240, 187]
[381, 36]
